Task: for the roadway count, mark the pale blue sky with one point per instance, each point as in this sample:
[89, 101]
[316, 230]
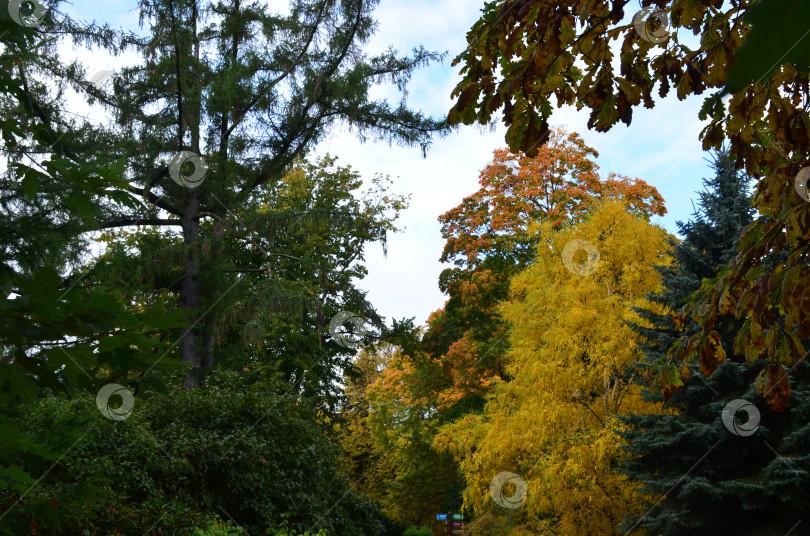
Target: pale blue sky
[661, 147]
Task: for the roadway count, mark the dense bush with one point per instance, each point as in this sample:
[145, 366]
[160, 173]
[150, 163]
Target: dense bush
[219, 529]
[186, 460]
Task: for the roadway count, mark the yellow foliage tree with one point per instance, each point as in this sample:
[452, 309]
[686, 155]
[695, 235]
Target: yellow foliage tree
[553, 421]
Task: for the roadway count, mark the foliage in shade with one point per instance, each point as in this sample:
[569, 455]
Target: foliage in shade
[403, 429]
[418, 531]
[232, 449]
[55, 337]
[73, 328]
[370, 469]
[775, 38]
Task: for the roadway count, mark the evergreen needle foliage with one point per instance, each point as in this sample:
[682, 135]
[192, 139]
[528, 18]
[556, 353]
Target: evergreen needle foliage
[702, 478]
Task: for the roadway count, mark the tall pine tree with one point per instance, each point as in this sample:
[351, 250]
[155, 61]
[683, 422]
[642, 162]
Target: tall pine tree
[703, 477]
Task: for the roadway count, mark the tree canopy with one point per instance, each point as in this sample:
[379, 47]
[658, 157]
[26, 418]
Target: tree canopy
[187, 345]
[487, 241]
[553, 423]
[521, 53]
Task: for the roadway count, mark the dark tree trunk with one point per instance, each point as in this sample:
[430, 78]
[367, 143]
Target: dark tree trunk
[190, 289]
[194, 340]
[212, 318]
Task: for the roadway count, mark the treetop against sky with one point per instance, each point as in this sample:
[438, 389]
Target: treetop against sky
[660, 147]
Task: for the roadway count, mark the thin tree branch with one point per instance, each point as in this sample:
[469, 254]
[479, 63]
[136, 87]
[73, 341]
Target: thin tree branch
[283, 75]
[127, 222]
[157, 201]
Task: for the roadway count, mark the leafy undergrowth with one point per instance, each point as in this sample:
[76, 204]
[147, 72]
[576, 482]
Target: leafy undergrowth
[185, 462]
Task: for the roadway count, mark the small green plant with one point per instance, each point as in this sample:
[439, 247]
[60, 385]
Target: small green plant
[419, 531]
[321, 532]
[219, 529]
[284, 530]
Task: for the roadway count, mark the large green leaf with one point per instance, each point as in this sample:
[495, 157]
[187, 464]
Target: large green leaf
[779, 34]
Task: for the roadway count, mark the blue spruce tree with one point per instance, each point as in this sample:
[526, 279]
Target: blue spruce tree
[721, 463]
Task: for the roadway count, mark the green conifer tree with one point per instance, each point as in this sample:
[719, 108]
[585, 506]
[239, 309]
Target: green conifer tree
[705, 477]
[223, 101]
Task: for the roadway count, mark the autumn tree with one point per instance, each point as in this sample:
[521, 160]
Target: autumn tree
[448, 373]
[225, 97]
[403, 421]
[487, 242]
[523, 53]
[554, 424]
[369, 469]
[743, 484]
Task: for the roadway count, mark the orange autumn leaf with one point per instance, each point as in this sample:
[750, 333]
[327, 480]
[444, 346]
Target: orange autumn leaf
[773, 384]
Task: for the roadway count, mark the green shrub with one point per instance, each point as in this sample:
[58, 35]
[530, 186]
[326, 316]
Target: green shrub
[284, 530]
[219, 529]
[306, 533]
[180, 461]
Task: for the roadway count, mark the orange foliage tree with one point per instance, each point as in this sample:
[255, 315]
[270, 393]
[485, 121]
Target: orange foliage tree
[487, 242]
[464, 347]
